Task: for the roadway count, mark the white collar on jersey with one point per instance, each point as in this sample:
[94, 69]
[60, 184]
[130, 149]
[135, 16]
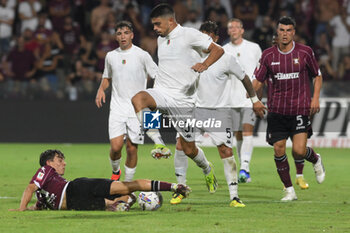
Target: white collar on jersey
[288, 51]
[173, 32]
[125, 50]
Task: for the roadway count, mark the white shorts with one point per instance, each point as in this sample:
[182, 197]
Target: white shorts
[219, 135]
[242, 116]
[179, 110]
[129, 126]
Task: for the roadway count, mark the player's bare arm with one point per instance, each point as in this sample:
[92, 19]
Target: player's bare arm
[27, 196]
[215, 52]
[315, 103]
[101, 96]
[258, 107]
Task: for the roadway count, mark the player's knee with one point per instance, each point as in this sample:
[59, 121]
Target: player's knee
[279, 148]
[130, 150]
[138, 99]
[116, 149]
[178, 145]
[224, 151]
[299, 152]
[189, 151]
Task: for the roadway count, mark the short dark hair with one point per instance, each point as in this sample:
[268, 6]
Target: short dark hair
[286, 20]
[49, 155]
[162, 9]
[122, 24]
[209, 27]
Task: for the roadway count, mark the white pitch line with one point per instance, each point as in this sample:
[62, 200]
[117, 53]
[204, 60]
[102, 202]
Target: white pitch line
[7, 197]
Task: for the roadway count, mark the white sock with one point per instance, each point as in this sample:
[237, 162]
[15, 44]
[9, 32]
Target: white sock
[152, 133]
[239, 146]
[139, 114]
[181, 165]
[230, 170]
[129, 173]
[115, 164]
[202, 161]
[246, 152]
[155, 136]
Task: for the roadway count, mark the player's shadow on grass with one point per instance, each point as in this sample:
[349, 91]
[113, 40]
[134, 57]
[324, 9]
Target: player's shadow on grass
[97, 215]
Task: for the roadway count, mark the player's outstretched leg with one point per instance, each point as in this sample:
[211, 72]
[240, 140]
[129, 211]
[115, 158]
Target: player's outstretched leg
[125, 188]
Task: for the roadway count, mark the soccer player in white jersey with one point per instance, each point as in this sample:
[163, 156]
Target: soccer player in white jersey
[248, 55]
[179, 68]
[126, 68]
[213, 102]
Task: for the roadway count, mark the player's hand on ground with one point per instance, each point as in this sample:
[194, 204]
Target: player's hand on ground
[100, 97]
[315, 106]
[259, 108]
[199, 67]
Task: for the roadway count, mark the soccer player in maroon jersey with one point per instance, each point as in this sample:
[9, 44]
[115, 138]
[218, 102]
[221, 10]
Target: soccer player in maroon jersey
[56, 193]
[288, 67]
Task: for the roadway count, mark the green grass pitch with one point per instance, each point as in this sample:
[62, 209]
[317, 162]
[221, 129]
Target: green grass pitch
[321, 208]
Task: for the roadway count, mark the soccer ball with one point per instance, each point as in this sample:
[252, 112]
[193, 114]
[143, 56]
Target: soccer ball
[150, 200]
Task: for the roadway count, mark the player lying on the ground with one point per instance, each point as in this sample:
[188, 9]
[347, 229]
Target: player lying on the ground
[56, 193]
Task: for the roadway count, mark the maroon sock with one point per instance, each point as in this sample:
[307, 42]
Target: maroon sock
[160, 186]
[283, 170]
[299, 165]
[311, 156]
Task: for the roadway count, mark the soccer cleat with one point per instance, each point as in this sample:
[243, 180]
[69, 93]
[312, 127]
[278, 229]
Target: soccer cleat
[244, 177]
[182, 189]
[319, 170]
[176, 199]
[302, 182]
[116, 175]
[236, 202]
[160, 151]
[211, 181]
[289, 194]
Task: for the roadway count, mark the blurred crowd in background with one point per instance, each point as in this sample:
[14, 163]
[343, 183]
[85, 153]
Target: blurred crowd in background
[55, 49]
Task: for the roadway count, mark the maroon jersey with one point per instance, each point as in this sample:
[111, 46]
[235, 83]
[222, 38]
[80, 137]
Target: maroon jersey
[288, 78]
[51, 185]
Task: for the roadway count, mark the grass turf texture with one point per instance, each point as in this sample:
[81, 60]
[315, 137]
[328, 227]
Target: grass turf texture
[321, 208]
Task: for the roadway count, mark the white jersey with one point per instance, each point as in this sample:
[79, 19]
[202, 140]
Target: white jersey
[248, 55]
[177, 53]
[214, 88]
[128, 70]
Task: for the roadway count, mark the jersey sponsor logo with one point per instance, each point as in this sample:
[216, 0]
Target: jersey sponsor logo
[238, 54]
[151, 120]
[40, 176]
[283, 76]
[123, 61]
[275, 63]
[296, 61]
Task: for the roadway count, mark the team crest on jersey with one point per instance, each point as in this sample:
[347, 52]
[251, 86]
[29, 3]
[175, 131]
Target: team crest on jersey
[123, 61]
[168, 42]
[238, 54]
[40, 176]
[296, 61]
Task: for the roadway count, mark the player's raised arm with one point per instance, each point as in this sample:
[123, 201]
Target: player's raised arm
[215, 52]
[101, 96]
